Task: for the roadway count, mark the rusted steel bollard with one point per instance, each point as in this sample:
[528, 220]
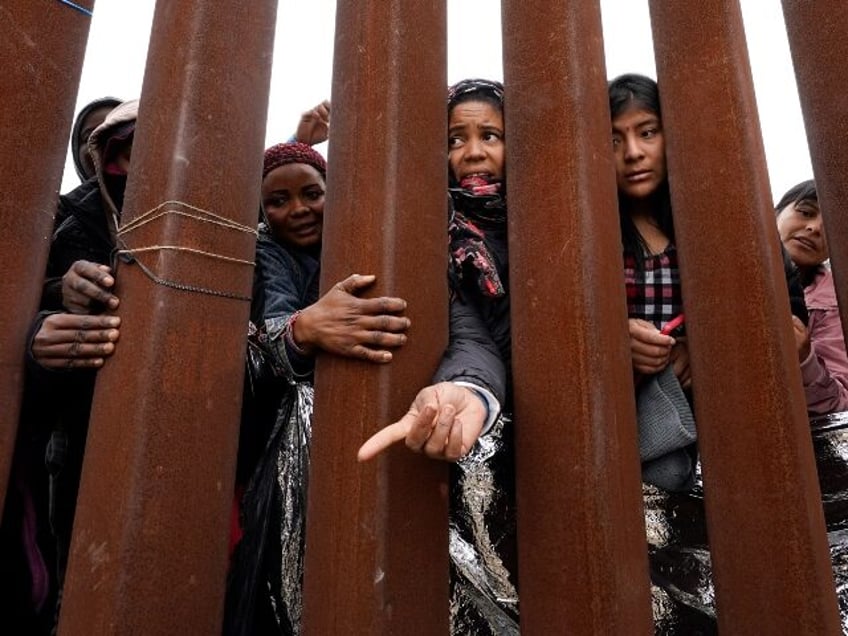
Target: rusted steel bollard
[816, 32]
[149, 551]
[376, 546]
[42, 51]
[582, 555]
[766, 527]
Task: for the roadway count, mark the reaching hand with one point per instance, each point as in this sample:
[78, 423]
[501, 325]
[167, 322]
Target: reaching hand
[649, 348]
[314, 125]
[86, 284]
[444, 422]
[68, 341]
[346, 325]
[802, 338]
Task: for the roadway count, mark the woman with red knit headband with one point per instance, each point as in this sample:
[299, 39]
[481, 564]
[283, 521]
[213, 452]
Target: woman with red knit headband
[290, 323]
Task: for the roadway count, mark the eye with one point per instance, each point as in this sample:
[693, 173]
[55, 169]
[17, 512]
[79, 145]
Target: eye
[492, 135]
[276, 201]
[806, 210]
[616, 141]
[454, 141]
[649, 133]
[314, 195]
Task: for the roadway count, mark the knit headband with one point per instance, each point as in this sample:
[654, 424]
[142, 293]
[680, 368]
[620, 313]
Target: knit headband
[471, 86]
[293, 152]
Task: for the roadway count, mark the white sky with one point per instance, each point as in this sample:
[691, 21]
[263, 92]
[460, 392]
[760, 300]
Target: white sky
[116, 55]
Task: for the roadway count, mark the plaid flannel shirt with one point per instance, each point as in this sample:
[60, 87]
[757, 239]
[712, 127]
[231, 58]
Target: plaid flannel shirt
[653, 293]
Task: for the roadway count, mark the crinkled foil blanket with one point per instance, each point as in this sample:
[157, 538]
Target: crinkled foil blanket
[682, 589]
[292, 477]
[484, 598]
[482, 530]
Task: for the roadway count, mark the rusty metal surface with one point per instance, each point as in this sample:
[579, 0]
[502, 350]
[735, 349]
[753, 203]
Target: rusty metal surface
[582, 557]
[765, 521]
[816, 31]
[41, 48]
[149, 552]
[377, 533]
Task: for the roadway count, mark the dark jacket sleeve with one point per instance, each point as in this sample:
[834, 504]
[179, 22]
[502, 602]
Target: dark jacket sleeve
[472, 354]
[279, 293]
[81, 234]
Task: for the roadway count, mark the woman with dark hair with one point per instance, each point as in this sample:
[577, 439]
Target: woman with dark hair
[821, 346]
[448, 417]
[652, 278]
[458, 417]
[678, 550]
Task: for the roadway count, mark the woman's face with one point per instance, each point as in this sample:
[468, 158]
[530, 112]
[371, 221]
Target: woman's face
[293, 198]
[639, 146]
[802, 233]
[476, 141]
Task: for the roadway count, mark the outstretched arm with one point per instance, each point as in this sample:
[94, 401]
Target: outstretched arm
[447, 418]
[444, 422]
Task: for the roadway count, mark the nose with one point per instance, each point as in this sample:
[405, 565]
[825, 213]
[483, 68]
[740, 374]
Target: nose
[299, 206]
[474, 150]
[632, 148]
[814, 224]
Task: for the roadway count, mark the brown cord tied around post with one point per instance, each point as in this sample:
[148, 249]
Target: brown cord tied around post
[180, 208]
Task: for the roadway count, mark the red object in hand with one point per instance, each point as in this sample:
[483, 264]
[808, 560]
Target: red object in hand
[672, 324]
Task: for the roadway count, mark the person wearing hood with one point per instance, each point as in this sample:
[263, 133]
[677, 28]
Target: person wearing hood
[78, 276]
[88, 119]
[72, 336]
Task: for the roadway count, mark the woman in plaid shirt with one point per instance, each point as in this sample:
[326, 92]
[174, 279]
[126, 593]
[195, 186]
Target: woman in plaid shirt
[647, 230]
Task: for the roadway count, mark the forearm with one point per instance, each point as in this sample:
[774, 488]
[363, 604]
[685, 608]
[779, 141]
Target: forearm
[295, 363]
[824, 391]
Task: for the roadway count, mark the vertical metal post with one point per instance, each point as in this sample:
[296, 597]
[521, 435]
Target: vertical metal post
[765, 522]
[582, 555]
[816, 32]
[376, 548]
[42, 51]
[149, 552]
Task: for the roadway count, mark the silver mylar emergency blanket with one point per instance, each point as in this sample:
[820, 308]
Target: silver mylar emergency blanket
[484, 600]
[682, 587]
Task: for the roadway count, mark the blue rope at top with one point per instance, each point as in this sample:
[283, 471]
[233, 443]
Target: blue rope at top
[79, 8]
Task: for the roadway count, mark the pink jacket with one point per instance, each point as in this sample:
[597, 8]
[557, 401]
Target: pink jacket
[825, 371]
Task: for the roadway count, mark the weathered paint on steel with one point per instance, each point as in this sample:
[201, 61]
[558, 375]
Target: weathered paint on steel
[41, 48]
[816, 30]
[582, 557]
[376, 549]
[770, 555]
[149, 552]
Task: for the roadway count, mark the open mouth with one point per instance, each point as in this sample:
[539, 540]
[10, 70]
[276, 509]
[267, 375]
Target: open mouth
[477, 175]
